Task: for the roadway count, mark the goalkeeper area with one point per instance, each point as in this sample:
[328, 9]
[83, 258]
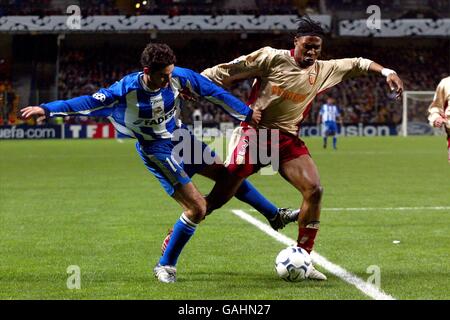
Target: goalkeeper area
[415, 114]
[65, 205]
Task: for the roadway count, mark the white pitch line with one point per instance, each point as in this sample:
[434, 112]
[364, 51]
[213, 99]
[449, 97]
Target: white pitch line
[365, 287]
[386, 209]
[382, 209]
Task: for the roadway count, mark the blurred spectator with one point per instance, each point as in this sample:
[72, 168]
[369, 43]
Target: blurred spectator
[9, 102]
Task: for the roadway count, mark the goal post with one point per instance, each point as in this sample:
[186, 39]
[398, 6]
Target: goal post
[415, 113]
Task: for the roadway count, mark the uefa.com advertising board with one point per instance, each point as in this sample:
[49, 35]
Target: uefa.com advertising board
[105, 131]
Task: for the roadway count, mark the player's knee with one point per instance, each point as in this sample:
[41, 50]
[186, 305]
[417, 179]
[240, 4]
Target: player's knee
[197, 210]
[315, 192]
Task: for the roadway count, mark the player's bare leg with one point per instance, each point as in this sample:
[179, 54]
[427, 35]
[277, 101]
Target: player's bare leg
[224, 189]
[302, 173]
[194, 210]
[192, 201]
[246, 192]
[448, 143]
[277, 217]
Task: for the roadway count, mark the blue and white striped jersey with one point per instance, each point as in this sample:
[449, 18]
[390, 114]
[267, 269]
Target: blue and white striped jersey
[329, 112]
[147, 115]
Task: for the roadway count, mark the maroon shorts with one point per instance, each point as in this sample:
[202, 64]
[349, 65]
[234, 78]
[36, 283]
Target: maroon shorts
[254, 148]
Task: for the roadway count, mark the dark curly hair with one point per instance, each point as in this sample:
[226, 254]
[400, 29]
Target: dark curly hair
[157, 56]
[309, 27]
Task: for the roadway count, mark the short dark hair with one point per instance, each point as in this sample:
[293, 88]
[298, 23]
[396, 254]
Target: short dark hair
[157, 56]
[309, 27]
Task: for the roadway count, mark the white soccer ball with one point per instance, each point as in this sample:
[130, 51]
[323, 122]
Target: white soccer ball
[293, 264]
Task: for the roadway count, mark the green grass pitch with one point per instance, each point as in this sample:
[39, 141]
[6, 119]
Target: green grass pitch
[91, 203]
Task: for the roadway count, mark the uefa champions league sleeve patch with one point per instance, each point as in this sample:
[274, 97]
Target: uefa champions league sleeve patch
[99, 96]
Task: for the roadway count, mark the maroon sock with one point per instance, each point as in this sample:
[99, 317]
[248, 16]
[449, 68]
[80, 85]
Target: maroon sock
[307, 235]
[448, 146]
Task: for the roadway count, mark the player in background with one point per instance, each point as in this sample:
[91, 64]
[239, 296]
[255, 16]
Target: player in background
[439, 110]
[287, 83]
[328, 116]
[145, 105]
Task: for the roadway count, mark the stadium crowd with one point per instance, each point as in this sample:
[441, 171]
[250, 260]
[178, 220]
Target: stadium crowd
[362, 100]
[348, 8]
[9, 99]
[160, 7]
[8, 103]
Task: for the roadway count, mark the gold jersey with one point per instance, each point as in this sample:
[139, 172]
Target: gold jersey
[284, 91]
[441, 101]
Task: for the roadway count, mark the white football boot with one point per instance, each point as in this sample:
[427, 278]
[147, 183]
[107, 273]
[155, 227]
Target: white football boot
[315, 274]
[166, 274]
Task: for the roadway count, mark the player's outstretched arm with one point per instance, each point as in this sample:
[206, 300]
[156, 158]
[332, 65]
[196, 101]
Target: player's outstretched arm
[393, 80]
[202, 86]
[100, 104]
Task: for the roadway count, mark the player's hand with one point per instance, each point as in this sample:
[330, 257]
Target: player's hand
[28, 112]
[395, 84]
[439, 122]
[186, 95]
[256, 117]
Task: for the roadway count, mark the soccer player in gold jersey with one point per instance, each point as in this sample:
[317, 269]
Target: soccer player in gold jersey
[439, 110]
[287, 83]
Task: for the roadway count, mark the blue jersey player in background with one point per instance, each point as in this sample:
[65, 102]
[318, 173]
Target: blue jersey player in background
[328, 116]
[145, 105]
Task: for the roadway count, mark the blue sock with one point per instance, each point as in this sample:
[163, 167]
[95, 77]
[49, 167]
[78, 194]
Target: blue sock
[334, 142]
[182, 232]
[325, 141]
[248, 194]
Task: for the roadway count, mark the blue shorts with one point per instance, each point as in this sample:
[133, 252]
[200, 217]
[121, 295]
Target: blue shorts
[329, 128]
[173, 163]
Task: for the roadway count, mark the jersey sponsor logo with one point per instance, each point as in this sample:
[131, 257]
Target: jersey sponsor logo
[156, 100]
[288, 95]
[99, 96]
[156, 120]
[158, 111]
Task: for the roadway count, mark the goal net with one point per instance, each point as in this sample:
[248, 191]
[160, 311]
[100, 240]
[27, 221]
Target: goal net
[415, 114]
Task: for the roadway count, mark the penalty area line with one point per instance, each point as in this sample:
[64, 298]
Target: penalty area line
[363, 286]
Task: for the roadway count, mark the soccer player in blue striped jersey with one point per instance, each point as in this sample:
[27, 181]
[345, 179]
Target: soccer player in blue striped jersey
[145, 105]
[328, 116]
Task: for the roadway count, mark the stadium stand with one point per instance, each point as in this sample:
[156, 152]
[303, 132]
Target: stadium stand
[82, 69]
[364, 100]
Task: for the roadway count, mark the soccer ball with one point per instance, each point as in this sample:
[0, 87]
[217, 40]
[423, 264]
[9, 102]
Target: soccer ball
[293, 264]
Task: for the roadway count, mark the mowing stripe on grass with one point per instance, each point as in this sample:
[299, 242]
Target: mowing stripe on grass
[365, 287]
